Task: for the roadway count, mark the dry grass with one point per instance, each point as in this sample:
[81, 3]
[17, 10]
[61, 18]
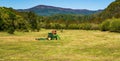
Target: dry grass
[75, 45]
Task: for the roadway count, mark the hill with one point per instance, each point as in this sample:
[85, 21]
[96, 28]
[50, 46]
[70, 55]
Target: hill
[51, 10]
[113, 10]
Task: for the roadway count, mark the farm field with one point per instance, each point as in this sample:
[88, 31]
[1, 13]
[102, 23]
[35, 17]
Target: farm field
[74, 45]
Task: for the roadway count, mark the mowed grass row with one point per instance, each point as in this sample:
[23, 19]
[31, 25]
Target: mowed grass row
[75, 45]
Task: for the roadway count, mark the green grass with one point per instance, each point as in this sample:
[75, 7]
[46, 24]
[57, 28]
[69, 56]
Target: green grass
[75, 45]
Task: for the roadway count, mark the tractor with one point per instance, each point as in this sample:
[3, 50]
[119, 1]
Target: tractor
[51, 36]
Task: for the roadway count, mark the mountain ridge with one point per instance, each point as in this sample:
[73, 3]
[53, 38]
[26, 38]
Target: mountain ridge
[51, 10]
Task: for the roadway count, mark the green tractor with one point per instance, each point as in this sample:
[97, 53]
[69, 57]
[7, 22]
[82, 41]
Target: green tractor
[51, 36]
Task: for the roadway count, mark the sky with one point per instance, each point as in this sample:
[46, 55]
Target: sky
[74, 4]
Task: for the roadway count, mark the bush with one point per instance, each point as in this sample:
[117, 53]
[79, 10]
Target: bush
[55, 26]
[73, 26]
[112, 25]
[105, 25]
[11, 30]
[115, 25]
[95, 27]
[62, 26]
[85, 26]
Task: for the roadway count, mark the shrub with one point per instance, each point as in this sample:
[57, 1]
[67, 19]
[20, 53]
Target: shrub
[56, 26]
[85, 26]
[11, 30]
[95, 27]
[62, 26]
[105, 25]
[115, 25]
[112, 25]
[73, 26]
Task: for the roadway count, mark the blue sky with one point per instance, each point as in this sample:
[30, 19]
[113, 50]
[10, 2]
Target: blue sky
[75, 4]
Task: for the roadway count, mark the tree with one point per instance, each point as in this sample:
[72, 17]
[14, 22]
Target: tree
[11, 27]
[34, 21]
[1, 22]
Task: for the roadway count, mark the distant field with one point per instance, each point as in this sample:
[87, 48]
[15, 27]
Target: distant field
[75, 45]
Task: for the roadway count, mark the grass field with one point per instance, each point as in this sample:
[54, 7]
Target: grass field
[75, 45]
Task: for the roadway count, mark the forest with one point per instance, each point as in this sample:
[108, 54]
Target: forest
[107, 20]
